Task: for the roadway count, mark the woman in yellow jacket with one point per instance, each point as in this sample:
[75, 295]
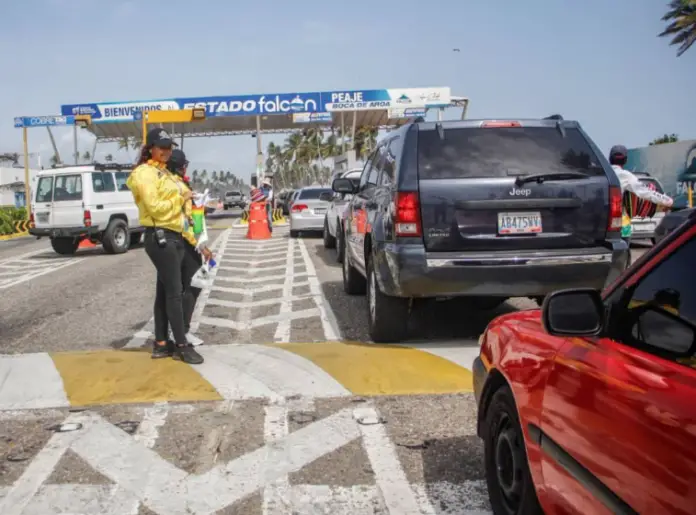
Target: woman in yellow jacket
[162, 201]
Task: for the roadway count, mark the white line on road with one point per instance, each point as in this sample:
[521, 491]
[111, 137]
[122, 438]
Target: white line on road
[328, 318]
[38, 471]
[29, 276]
[245, 323]
[277, 498]
[282, 333]
[30, 381]
[256, 289]
[390, 477]
[237, 279]
[25, 255]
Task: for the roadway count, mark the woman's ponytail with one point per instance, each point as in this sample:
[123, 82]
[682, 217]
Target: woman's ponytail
[145, 155]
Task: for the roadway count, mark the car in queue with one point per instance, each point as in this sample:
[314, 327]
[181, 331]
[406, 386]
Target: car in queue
[333, 221]
[484, 209]
[233, 199]
[92, 202]
[587, 405]
[646, 215]
[671, 221]
[308, 210]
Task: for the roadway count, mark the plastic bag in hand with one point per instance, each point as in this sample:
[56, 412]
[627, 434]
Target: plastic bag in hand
[202, 279]
[199, 199]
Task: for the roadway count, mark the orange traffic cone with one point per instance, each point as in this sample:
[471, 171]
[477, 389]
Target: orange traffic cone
[86, 243]
[258, 222]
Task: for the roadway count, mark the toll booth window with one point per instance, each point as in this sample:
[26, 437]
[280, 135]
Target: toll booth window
[67, 187]
[121, 178]
[44, 192]
[103, 182]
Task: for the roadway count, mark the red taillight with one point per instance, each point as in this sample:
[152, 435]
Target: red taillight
[31, 218]
[87, 218]
[297, 208]
[407, 220]
[499, 124]
[615, 210]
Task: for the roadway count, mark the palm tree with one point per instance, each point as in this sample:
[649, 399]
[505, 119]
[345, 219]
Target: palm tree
[87, 156]
[681, 18]
[54, 160]
[365, 140]
[108, 158]
[53, 144]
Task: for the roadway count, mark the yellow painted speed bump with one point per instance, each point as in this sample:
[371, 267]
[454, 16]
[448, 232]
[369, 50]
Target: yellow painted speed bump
[114, 377]
[366, 369]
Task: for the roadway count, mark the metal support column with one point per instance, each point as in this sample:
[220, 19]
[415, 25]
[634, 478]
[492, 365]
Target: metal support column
[77, 156]
[259, 151]
[27, 187]
[343, 133]
[352, 132]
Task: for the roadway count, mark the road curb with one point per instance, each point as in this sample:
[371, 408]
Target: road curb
[7, 237]
[231, 372]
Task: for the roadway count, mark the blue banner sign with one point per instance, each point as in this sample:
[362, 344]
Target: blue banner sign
[43, 121]
[311, 118]
[318, 103]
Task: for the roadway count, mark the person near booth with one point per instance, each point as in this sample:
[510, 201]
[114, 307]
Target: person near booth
[267, 188]
[161, 199]
[195, 253]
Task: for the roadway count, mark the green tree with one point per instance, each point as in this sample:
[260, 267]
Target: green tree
[681, 24]
[667, 138]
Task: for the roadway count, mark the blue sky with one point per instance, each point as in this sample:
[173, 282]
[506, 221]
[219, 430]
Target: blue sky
[596, 61]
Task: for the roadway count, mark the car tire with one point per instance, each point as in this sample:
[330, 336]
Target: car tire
[387, 316]
[340, 243]
[135, 238]
[329, 241]
[294, 234]
[65, 246]
[116, 238]
[353, 282]
[510, 485]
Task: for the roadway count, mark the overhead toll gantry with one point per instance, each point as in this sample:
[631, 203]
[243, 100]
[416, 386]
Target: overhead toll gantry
[264, 113]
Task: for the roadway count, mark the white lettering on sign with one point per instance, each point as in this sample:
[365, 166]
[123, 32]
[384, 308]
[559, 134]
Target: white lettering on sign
[347, 97]
[262, 105]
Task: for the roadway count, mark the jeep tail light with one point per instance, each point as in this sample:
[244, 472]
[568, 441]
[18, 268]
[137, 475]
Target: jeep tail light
[500, 124]
[31, 219]
[298, 208]
[407, 220]
[87, 218]
[615, 210]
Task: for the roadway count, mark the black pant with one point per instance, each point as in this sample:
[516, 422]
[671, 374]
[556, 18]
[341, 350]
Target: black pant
[169, 308]
[192, 262]
[627, 239]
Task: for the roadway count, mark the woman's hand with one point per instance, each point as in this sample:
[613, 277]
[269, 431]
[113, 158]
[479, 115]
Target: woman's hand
[188, 194]
[207, 253]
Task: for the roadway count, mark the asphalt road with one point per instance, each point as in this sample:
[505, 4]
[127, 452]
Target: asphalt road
[305, 425]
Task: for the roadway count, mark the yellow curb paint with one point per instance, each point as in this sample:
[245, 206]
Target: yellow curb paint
[366, 369]
[115, 377]
[6, 237]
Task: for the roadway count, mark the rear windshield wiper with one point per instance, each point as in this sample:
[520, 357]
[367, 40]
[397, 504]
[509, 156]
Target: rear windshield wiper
[553, 176]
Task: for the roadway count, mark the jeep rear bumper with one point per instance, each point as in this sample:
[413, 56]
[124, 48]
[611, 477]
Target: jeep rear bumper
[410, 271]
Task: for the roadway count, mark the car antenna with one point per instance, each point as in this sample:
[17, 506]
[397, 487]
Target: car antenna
[440, 130]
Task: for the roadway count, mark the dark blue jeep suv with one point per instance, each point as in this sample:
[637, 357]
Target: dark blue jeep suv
[487, 209]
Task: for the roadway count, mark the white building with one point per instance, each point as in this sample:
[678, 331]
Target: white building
[12, 186]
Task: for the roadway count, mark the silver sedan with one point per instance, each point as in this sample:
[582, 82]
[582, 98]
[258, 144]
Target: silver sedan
[308, 210]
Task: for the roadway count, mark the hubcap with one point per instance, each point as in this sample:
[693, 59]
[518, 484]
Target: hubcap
[509, 459]
[120, 237]
[372, 296]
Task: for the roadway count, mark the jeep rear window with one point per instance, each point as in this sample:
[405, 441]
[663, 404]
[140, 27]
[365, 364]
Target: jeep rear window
[503, 152]
[67, 187]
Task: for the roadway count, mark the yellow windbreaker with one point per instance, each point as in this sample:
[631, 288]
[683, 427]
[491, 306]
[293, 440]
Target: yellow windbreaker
[158, 195]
